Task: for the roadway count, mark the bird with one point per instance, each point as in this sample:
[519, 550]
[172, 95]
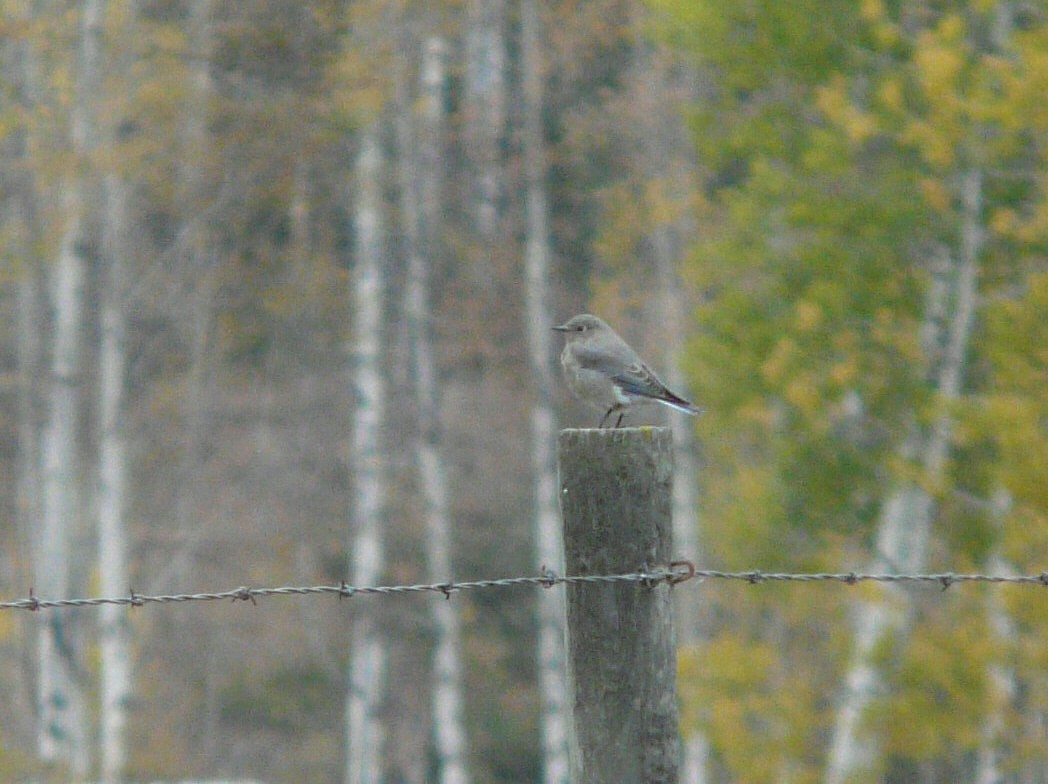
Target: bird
[602, 370]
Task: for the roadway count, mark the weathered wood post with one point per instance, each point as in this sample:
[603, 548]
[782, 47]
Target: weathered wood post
[615, 497]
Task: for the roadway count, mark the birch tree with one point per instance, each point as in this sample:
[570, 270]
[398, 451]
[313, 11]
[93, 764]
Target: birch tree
[421, 164]
[906, 519]
[114, 631]
[486, 117]
[1001, 680]
[548, 545]
[364, 724]
[905, 524]
[113, 534]
[62, 733]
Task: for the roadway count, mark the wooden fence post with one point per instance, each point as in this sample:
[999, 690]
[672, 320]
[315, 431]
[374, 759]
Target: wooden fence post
[615, 496]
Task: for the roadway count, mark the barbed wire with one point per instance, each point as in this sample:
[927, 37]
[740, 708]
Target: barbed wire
[677, 572]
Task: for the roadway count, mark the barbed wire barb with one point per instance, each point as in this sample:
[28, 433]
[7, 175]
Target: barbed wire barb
[676, 573]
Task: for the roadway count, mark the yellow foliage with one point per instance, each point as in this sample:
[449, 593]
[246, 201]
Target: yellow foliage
[832, 98]
[809, 315]
[938, 68]
[860, 125]
[803, 393]
[833, 101]
[665, 206]
[935, 141]
[1003, 221]
[1034, 229]
[934, 690]
[735, 705]
[886, 33]
[872, 10]
[890, 95]
[935, 194]
[779, 360]
[757, 412]
[844, 373]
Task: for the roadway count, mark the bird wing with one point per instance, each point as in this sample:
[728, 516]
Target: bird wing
[639, 379]
[635, 379]
[627, 371]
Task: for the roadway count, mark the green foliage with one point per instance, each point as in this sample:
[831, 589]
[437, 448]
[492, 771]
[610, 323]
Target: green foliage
[936, 716]
[837, 139]
[763, 57]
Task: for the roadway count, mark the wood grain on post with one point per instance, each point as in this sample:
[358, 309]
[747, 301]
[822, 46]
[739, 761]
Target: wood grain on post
[616, 497]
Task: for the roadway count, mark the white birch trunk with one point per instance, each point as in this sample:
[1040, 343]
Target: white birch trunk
[905, 524]
[114, 629]
[364, 726]
[448, 729]
[61, 722]
[62, 730]
[549, 549]
[486, 117]
[1003, 685]
[114, 622]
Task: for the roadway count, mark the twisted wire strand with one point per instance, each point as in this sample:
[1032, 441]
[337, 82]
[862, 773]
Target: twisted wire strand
[678, 571]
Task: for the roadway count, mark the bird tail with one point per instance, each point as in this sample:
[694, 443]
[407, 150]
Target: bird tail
[680, 404]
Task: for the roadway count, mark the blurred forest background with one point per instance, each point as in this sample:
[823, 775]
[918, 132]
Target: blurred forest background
[278, 279]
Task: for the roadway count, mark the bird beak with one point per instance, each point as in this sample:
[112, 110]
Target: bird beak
[561, 328]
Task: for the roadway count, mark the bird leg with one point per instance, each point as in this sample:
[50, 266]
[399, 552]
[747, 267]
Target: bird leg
[619, 422]
[605, 418]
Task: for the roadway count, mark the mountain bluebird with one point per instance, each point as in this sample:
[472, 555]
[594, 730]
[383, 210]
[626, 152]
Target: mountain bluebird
[603, 371]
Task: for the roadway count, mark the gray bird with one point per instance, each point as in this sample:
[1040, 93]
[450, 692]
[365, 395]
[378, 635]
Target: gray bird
[602, 370]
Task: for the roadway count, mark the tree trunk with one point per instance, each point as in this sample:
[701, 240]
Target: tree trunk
[62, 732]
[449, 732]
[548, 544]
[486, 117]
[61, 722]
[364, 725]
[114, 629]
[906, 518]
[113, 546]
[1001, 675]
